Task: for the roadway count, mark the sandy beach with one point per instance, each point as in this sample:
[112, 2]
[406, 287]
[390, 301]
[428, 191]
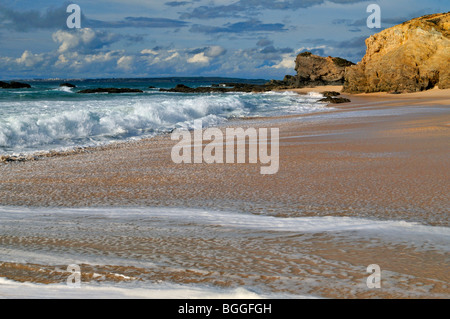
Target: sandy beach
[383, 156]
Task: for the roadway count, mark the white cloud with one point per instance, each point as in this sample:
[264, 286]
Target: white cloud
[199, 58]
[75, 58]
[100, 57]
[68, 40]
[61, 59]
[83, 39]
[125, 63]
[149, 51]
[287, 62]
[173, 56]
[207, 55]
[29, 59]
[214, 51]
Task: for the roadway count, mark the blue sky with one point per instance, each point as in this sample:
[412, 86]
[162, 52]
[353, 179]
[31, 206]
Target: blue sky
[234, 38]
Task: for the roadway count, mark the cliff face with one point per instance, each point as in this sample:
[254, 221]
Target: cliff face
[316, 70]
[409, 57]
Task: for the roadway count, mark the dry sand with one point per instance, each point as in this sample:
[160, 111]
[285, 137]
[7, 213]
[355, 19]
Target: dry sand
[434, 96]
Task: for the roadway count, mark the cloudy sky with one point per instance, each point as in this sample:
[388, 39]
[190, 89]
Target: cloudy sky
[154, 38]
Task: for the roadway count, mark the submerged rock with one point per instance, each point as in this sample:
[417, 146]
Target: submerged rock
[409, 57]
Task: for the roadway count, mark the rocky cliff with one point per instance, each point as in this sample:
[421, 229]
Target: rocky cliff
[409, 57]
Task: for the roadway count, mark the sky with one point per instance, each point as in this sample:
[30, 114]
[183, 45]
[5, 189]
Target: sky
[153, 38]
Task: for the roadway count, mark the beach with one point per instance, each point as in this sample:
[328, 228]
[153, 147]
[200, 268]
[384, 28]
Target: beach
[363, 183]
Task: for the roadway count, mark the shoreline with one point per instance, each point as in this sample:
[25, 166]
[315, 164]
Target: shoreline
[321, 139]
[380, 159]
[433, 96]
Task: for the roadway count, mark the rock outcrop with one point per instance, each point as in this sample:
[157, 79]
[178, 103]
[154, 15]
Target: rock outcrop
[314, 70]
[409, 57]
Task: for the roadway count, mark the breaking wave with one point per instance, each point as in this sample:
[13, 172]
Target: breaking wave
[44, 124]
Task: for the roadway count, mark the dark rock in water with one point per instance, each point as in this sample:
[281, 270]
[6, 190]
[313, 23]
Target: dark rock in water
[334, 100]
[243, 87]
[182, 87]
[69, 85]
[111, 90]
[231, 87]
[151, 87]
[14, 85]
[19, 85]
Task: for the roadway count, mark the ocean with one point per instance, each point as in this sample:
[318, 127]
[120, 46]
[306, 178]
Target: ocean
[49, 117]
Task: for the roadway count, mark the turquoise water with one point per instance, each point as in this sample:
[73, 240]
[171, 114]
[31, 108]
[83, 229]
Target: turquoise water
[48, 117]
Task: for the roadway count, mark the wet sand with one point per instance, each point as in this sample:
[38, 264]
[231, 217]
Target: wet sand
[381, 156]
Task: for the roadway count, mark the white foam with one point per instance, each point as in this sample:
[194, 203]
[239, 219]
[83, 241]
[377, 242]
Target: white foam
[11, 289]
[64, 89]
[333, 224]
[315, 94]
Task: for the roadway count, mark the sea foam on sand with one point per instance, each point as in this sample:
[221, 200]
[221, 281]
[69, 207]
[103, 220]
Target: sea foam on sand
[109, 224]
[12, 289]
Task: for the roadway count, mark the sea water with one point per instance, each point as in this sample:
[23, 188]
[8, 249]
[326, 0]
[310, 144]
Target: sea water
[49, 117]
